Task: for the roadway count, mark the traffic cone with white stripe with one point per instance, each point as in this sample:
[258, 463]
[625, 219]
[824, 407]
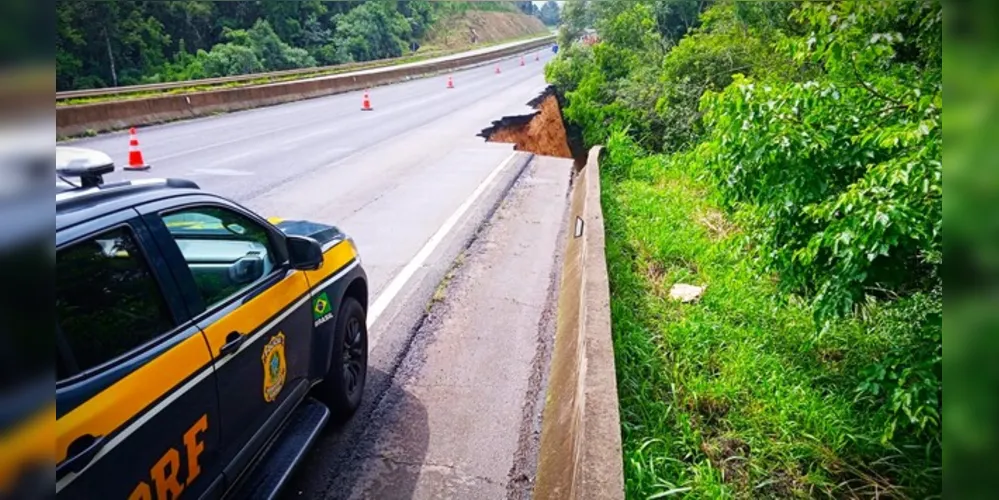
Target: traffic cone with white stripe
[135, 161]
[366, 102]
[450, 82]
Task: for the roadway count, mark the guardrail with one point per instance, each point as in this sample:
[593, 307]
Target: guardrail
[81, 119]
[580, 451]
[150, 87]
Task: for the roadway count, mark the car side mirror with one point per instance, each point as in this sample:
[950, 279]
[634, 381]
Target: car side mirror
[304, 253]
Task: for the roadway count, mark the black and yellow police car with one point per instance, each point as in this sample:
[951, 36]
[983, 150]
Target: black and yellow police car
[200, 347]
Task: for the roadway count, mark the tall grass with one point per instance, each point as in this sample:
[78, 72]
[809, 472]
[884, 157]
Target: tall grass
[740, 395]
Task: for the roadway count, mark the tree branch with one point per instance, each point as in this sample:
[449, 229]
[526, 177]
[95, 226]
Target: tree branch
[884, 110]
[856, 72]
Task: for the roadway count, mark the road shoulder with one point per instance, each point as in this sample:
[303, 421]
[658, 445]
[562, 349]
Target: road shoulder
[466, 393]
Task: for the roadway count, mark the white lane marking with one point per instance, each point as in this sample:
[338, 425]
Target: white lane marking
[228, 172]
[395, 286]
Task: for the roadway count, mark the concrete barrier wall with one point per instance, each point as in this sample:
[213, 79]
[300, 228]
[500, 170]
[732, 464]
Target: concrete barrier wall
[580, 452]
[114, 115]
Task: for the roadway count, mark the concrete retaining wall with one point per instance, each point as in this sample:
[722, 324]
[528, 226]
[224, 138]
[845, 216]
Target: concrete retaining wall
[580, 453]
[113, 115]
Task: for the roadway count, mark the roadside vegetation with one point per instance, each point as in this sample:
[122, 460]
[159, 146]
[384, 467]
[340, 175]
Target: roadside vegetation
[422, 55]
[124, 42]
[786, 156]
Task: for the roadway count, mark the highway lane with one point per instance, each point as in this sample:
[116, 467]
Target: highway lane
[390, 177]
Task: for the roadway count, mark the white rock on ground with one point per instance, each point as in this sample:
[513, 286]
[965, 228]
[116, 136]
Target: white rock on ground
[686, 293]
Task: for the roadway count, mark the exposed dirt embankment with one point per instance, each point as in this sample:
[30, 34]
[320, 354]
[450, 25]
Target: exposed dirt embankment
[477, 27]
[542, 132]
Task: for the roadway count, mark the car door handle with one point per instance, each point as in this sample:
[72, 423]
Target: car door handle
[232, 343]
[76, 461]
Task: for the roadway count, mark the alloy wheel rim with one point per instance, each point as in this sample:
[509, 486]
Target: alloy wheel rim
[353, 353]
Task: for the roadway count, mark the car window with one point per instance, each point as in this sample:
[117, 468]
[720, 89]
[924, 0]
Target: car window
[107, 300]
[225, 250]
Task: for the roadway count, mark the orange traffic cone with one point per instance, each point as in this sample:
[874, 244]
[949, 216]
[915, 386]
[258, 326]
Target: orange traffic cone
[366, 103]
[497, 69]
[521, 60]
[450, 82]
[135, 161]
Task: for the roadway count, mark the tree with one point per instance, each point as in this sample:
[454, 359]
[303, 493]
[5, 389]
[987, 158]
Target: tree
[373, 30]
[576, 16]
[108, 43]
[123, 42]
[273, 53]
[228, 59]
[527, 7]
[550, 13]
[675, 18]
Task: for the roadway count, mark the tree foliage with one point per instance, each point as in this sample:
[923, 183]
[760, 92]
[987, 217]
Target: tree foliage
[550, 13]
[126, 42]
[373, 30]
[846, 163]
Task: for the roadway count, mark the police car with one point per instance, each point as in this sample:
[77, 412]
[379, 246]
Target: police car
[200, 348]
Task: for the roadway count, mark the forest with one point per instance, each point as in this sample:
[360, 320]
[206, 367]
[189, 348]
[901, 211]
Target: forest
[128, 42]
[788, 157]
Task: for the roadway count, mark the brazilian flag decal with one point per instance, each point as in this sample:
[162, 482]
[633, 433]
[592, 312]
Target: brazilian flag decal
[322, 309]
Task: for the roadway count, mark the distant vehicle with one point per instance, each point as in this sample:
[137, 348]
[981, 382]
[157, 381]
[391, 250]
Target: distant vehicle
[200, 347]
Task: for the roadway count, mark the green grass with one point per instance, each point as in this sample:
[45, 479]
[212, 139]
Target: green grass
[738, 395]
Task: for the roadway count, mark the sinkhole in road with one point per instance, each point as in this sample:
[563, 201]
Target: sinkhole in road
[543, 132]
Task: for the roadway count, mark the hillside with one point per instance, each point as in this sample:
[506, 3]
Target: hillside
[122, 42]
[486, 27]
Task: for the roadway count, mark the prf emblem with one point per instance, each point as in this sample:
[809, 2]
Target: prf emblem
[275, 367]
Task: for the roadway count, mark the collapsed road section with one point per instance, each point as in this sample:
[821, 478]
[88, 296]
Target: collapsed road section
[543, 132]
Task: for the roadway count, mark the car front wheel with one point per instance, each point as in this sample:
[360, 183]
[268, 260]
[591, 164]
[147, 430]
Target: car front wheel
[344, 383]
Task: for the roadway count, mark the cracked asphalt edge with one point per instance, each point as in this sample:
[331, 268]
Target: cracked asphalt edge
[520, 479]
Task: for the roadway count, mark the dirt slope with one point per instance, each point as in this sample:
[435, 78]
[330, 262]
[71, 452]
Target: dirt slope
[542, 132]
[483, 27]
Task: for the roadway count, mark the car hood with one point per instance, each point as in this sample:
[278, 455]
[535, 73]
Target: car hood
[323, 233]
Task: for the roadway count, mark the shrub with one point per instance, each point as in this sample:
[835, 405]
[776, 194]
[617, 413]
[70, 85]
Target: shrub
[847, 168]
[372, 31]
[228, 59]
[275, 54]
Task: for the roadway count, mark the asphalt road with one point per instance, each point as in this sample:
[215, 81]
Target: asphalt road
[389, 177]
[410, 181]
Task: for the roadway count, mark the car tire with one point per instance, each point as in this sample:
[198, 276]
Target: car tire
[343, 385]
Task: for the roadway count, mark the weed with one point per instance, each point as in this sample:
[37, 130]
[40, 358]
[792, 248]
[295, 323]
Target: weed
[440, 293]
[742, 395]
